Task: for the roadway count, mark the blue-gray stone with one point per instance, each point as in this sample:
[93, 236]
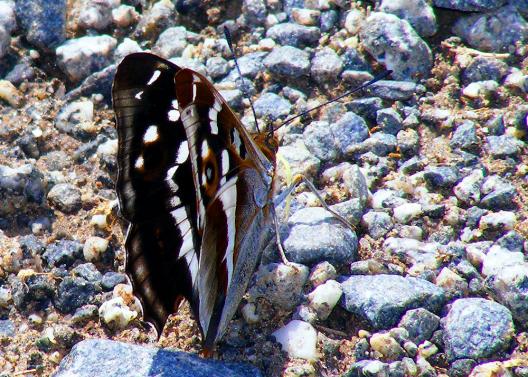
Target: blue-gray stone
[381, 144]
[99, 82]
[233, 97]
[31, 246]
[394, 90]
[88, 272]
[21, 72]
[293, 34]
[412, 165]
[171, 42]
[503, 146]
[389, 121]
[512, 241]
[111, 279]
[465, 136]
[377, 224]
[476, 328]
[326, 66]
[484, 68]
[493, 31]
[98, 357]
[495, 125]
[43, 22]
[217, 67]
[441, 176]
[473, 215]
[461, 367]
[320, 141]
[420, 323]
[394, 43]
[382, 299]
[315, 235]
[65, 197]
[502, 197]
[79, 58]
[73, 293]
[272, 106]
[63, 252]
[254, 12]
[328, 20]
[354, 61]
[288, 61]
[7, 328]
[348, 130]
[40, 288]
[419, 13]
[366, 107]
[251, 64]
[469, 5]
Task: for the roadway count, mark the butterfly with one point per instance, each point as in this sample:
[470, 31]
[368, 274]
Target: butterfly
[197, 189]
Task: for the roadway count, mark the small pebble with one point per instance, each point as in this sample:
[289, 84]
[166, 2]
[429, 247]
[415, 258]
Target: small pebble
[93, 248]
[116, 314]
[323, 298]
[298, 339]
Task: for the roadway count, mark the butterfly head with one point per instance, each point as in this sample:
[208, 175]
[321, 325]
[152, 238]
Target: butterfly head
[268, 143]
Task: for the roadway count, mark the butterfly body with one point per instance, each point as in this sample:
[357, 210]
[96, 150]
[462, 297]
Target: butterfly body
[196, 188]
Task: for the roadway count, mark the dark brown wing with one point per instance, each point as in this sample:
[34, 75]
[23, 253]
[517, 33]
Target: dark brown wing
[154, 186]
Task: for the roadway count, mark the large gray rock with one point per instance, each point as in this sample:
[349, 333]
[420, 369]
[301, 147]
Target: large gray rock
[97, 357]
[477, 328]
[394, 42]
[383, 299]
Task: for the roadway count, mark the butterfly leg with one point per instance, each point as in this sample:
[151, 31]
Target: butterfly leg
[297, 180]
[278, 239]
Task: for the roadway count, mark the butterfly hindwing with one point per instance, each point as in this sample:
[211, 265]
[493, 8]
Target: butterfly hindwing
[162, 242]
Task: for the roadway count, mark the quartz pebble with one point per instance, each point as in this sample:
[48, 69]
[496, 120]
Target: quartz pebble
[298, 339]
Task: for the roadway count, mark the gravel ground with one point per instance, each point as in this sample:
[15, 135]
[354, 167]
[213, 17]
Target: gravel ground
[428, 165]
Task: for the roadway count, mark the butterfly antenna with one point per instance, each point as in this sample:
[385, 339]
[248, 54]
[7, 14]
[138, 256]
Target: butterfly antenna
[227, 34]
[381, 76]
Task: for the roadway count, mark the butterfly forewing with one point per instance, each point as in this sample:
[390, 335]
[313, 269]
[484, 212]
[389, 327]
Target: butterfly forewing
[162, 242]
[198, 223]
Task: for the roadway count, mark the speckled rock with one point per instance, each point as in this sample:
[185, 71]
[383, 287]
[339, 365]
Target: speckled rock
[420, 324]
[466, 338]
[78, 58]
[280, 284]
[44, 22]
[382, 299]
[419, 13]
[315, 235]
[494, 31]
[293, 34]
[98, 357]
[402, 50]
[65, 197]
[326, 66]
[288, 61]
[469, 5]
[272, 106]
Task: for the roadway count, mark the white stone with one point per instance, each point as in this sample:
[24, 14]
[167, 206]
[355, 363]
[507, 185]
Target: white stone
[127, 47]
[249, 313]
[353, 21]
[298, 339]
[93, 248]
[480, 88]
[108, 148]
[502, 220]
[499, 258]
[124, 16]
[5, 296]
[468, 190]
[116, 314]
[99, 221]
[406, 212]
[10, 94]
[323, 298]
